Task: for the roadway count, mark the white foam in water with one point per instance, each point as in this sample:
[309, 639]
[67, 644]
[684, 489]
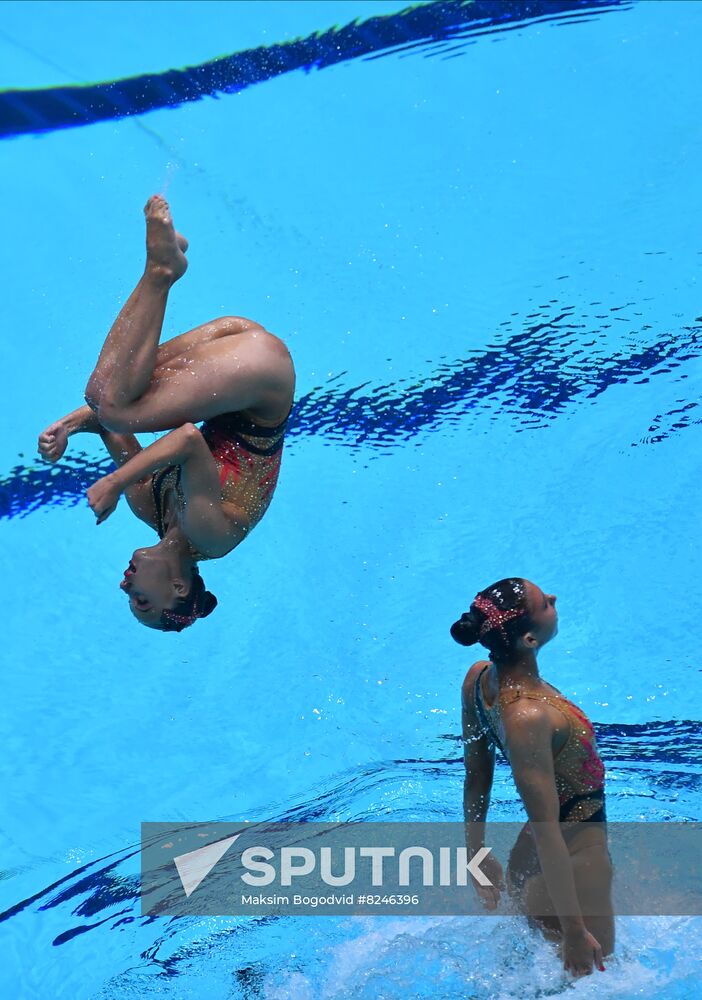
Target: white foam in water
[495, 959]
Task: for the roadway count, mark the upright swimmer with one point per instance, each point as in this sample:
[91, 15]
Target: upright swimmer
[559, 870]
[201, 489]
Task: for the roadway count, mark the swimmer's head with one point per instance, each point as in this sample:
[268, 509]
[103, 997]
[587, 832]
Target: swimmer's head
[511, 617]
[165, 596]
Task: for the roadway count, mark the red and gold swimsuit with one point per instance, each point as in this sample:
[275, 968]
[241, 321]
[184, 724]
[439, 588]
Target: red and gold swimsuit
[578, 767]
[248, 457]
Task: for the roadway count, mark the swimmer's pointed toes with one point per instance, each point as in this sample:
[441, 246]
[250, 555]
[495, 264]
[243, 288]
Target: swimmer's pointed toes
[157, 206]
[165, 249]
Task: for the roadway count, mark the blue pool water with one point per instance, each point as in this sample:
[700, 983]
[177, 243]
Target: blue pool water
[482, 246]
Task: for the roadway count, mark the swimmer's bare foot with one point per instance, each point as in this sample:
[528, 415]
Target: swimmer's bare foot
[54, 440]
[165, 248]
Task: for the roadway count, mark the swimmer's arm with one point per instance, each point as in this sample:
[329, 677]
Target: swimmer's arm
[212, 530]
[121, 448]
[529, 732]
[80, 421]
[84, 420]
[479, 762]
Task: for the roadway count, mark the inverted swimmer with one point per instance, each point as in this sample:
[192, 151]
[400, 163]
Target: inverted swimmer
[559, 872]
[202, 490]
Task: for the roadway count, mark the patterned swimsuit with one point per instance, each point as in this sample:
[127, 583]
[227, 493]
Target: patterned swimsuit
[578, 766]
[248, 456]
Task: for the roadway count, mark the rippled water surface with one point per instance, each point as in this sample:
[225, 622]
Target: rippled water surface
[476, 227]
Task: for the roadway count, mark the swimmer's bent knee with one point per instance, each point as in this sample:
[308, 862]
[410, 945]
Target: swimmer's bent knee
[112, 417]
[93, 393]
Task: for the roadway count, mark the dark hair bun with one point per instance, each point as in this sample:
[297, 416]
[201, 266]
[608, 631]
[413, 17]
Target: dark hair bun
[209, 604]
[467, 629]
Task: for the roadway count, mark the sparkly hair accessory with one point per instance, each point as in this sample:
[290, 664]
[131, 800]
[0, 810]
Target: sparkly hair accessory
[178, 621]
[494, 617]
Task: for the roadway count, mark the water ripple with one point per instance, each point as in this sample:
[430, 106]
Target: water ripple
[526, 378]
[424, 26]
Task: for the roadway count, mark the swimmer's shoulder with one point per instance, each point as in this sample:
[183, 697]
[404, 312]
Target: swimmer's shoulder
[469, 682]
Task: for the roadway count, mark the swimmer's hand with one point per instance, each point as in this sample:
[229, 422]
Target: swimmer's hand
[580, 950]
[490, 894]
[103, 497]
[52, 442]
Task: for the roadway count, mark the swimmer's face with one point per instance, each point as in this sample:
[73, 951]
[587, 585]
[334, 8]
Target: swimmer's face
[542, 610]
[149, 585]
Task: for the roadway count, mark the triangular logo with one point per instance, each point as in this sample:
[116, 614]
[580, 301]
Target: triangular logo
[194, 866]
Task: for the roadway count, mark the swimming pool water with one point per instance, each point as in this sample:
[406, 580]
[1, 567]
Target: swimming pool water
[483, 251]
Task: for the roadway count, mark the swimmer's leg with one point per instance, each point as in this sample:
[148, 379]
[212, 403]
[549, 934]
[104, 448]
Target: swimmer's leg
[177, 351]
[212, 372]
[128, 357]
[253, 371]
[592, 871]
